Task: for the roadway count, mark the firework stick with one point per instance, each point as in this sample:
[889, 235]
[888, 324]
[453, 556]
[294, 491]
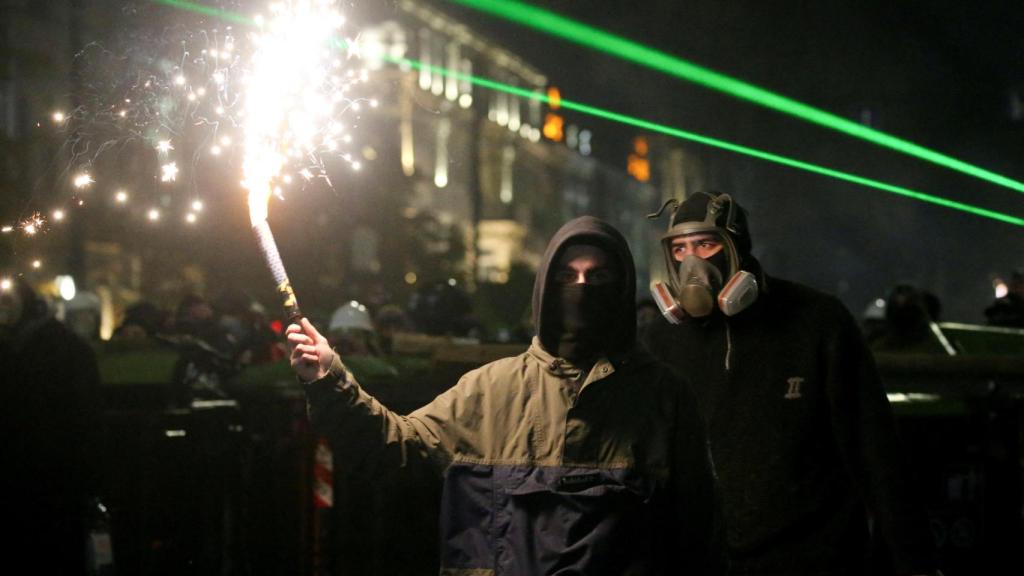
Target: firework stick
[268, 249]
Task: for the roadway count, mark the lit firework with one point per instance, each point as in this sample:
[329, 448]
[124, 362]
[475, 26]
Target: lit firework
[186, 96]
[294, 90]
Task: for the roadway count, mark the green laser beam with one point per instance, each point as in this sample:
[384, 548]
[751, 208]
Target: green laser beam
[652, 126]
[713, 142]
[207, 10]
[595, 38]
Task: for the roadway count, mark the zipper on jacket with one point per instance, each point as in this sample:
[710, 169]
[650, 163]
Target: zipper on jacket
[576, 387]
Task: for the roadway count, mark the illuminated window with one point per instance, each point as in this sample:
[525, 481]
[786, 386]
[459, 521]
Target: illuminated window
[425, 44]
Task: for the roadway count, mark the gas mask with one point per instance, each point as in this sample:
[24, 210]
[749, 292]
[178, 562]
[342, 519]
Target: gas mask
[697, 286]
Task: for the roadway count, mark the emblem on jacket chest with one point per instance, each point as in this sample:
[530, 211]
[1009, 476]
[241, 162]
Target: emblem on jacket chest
[793, 392]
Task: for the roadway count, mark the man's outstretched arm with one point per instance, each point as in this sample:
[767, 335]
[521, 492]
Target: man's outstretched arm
[364, 432]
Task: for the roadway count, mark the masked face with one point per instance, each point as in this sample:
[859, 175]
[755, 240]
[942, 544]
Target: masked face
[703, 267]
[703, 258]
[585, 288]
[705, 277]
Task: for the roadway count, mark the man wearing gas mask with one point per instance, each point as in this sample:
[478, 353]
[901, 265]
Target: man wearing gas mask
[801, 433]
[579, 456]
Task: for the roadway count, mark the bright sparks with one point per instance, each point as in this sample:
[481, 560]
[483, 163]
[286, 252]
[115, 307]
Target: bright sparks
[58, 117]
[164, 146]
[290, 93]
[169, 172]
[153, 215]
[197, 205]
[6, 284]
[32, 225]
[82, 180]
[121, 197]
[58, 215]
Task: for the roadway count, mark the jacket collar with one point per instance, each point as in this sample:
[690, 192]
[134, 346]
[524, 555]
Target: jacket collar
[563, 368]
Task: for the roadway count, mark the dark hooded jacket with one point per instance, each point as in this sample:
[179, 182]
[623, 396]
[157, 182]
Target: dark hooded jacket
[547, 468]
[49, 385]
[801, 433]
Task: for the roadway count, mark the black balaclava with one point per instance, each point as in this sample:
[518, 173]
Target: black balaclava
[581, 325]
[581, 322]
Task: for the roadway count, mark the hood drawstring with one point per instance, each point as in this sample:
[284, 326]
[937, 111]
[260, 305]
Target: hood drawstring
[728, 348]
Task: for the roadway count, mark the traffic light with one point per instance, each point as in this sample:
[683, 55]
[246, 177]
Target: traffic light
[638, 165]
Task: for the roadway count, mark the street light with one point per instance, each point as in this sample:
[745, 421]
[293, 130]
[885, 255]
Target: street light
[66, 287]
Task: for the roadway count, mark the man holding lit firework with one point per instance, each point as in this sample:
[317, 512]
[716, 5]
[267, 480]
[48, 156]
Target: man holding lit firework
[578, 456]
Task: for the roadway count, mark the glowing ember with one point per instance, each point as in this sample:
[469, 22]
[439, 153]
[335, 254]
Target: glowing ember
[169, 172]
[32, 225]
[82, 180]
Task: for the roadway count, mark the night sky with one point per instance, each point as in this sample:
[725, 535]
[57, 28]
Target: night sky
[940, 74]
[944, 74]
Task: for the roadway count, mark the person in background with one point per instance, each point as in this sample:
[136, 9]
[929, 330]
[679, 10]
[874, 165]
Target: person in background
[1008, 311]
[389, 321]
[646, 314]
[142, 320]
[49, 420]
[351, 331]
[908, 324]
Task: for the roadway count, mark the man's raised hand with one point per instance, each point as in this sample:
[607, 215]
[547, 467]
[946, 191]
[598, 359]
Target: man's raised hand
[311, 355]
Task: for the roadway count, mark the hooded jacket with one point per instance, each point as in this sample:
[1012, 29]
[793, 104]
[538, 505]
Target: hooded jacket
[549, 469]
[588, 230]
[801, 433]
[49, 420]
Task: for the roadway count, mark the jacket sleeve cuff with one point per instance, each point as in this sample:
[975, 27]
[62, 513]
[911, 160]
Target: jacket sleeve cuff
[337, 376]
